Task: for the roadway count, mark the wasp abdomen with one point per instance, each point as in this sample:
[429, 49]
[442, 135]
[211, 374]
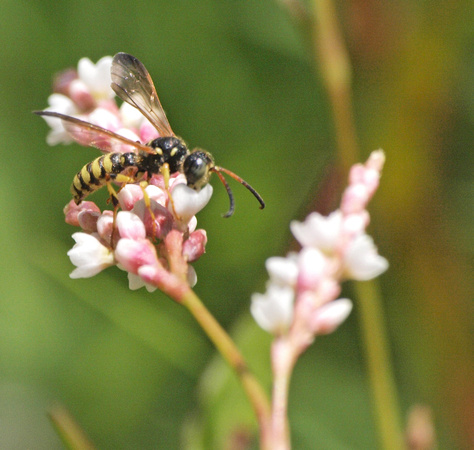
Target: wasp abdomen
[95, 174]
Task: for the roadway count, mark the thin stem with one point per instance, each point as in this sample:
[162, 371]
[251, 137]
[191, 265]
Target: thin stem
[387, 410]
[332, 58]
[256, 394]
[71, 434]
[283, 360]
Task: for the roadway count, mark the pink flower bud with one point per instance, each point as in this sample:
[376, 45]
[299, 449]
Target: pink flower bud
[157, 194]
[130, 134]
[328, 290]
[132, 254]
[163, 220]
[130, 226]
[81, 96]
[368, 173]
[311, 267]
[376, 160]
[148, 273]
[354, 199]
[63, 80]
[105, 226]
[129, 195]
[327, 318]
[356, 173]
[71, 211]
[371, 180]
[355, 224]
[195, 245]
[88, 220]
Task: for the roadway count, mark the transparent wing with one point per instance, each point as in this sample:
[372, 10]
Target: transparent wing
[88, 134]
[133, 84]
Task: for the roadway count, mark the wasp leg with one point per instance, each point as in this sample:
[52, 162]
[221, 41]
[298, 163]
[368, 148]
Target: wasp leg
[146, 199]
[119, 178]
[115, 203]
[165, 171]
[125, 179]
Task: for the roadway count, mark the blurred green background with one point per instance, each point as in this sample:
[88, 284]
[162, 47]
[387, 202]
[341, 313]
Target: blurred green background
[237, 79]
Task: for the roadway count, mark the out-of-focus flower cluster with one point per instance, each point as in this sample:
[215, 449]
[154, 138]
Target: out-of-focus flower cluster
[153, 238]
[301, 300]
[86, 93]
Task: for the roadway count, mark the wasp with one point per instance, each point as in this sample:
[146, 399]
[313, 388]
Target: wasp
[167, 154]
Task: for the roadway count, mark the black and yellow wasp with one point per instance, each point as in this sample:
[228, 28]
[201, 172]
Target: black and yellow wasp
[133, 84]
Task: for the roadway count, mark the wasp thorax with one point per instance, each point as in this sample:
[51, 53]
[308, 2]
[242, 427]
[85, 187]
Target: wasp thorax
[197, 167]
[173, 151]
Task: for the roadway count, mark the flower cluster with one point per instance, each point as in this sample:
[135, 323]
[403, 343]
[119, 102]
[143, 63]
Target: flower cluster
[86, 93]
[153, 237]
[301, 296]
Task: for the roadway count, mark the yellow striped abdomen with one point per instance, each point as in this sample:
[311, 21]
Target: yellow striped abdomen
[96, 174]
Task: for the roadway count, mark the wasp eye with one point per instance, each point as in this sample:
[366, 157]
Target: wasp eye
[196, 169]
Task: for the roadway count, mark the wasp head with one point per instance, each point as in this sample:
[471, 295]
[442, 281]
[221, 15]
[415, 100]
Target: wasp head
[197, 168]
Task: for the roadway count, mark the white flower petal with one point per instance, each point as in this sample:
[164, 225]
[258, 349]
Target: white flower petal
[361, 261]
[64, 105]
[192, 276]
[135, 282]
[89, 256]
[328, 317]
[108, 120]
[318, 231]
[273, 311]
[188, 202]
[131, 117]
[312, 265]
[97, 76]
[282, 270]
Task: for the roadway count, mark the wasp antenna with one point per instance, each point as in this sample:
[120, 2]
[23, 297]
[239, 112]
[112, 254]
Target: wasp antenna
[243, 182]
[229, 193]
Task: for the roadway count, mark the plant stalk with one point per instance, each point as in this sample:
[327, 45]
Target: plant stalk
[224, 344]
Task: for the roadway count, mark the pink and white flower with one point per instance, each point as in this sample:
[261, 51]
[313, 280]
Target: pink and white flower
[273, 311]
[137, 239]
[154, 237]
[86, 94]
[361, 260]
[89, 255]
[301, 300]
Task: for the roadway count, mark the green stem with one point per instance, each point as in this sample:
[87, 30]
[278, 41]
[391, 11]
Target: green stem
[257, 396]
[71, 434]
[387, 411]
[331, 57]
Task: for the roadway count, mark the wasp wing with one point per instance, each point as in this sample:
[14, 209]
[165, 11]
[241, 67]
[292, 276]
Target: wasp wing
[133, 84]
[88, 134]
